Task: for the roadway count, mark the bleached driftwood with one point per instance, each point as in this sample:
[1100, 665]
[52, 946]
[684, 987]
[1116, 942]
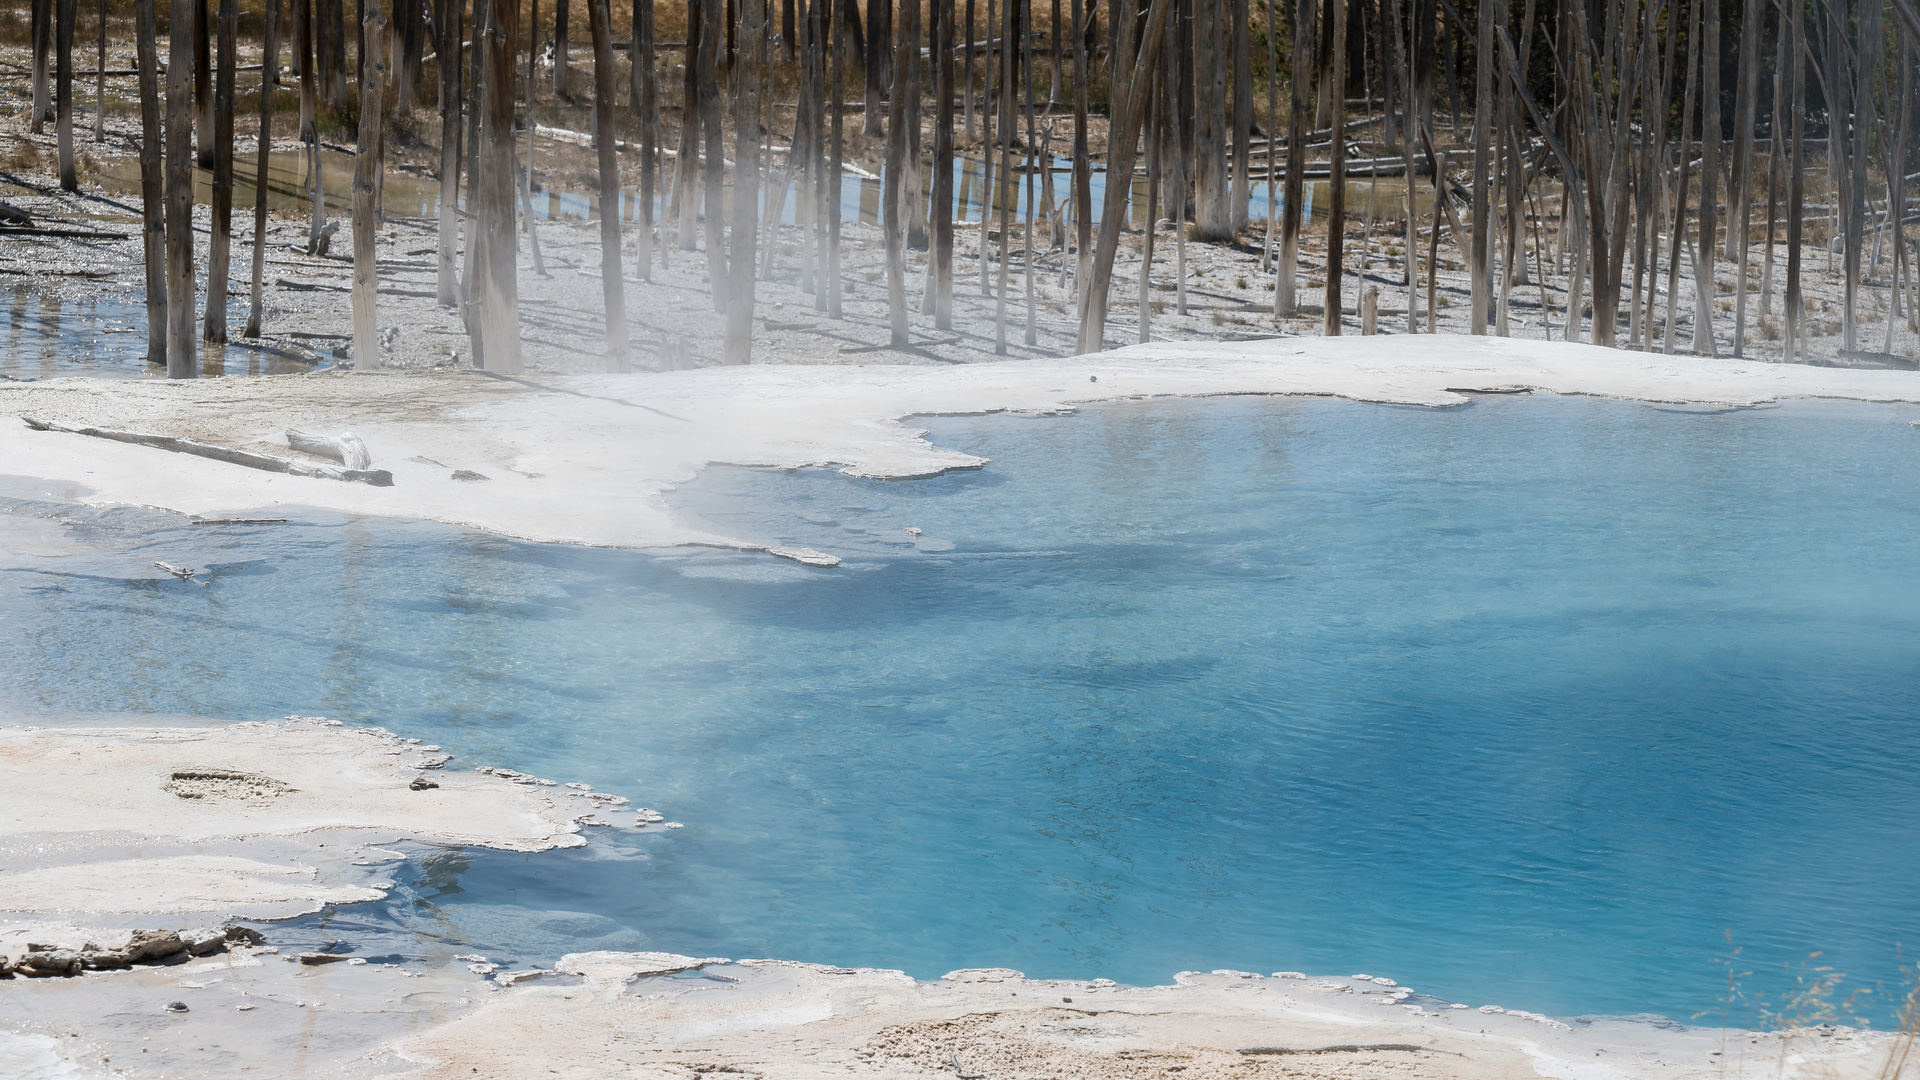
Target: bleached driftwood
[376, 477]
[345, 448]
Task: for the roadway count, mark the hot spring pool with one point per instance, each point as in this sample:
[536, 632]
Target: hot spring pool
[1534, 702]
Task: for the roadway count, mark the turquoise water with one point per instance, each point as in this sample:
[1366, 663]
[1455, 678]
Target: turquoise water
[1532, 702]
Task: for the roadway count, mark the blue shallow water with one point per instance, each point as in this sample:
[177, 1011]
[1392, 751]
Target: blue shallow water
[1532, 702]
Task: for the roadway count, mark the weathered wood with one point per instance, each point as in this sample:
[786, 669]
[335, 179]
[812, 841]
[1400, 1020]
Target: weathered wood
[613, 285]
[42, 34]
[182, 355]
[1285, 302]
[714, 156]
[366, 196]
[345, 448]
[646, 103]
[270, 47]
[836, 157]
[267, 462]
[893, 198]
[153, 207]
[1337, 177]
[220, 247]
[941, 19]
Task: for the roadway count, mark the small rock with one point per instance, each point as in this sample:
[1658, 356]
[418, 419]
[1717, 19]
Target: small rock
[1289, 974]
[805, 556]
[673, 825]
[206, 942]
[421, 783]
[105, 960]
[176, 1006]
[911, 531]
[243, 1008]
[355, 961]
[469, 475]
[152, 946]
[245, 935]
[55, 963]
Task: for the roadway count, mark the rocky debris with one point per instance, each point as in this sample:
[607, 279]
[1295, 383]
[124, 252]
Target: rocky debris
[43, 964]
[146, 946]
[1289, 974]
[245, 935]
[315, 959]
[105, 960]
[205, 942]
[468, 475]
[176, 1006]
[805, 556]
[421, 783]
[648, 816]
[225, 784]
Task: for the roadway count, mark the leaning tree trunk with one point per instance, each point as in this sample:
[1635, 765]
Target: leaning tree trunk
[1128, 107]
[220, 249]
[737, 341]
[182, 359]
[613, 289]
[269, 77]
[498, 298]
[366, 196]
[153, 233]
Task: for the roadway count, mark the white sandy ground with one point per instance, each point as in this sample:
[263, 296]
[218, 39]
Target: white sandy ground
[586, 458]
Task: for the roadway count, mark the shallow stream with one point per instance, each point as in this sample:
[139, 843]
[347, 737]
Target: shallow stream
[1537, 702]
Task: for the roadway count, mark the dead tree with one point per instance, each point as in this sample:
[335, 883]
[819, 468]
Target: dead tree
[1740, 197]
[689, 150]
[1004, 138]
[560, 45]
[1796, 92]
[1482, 247]
[613, 288]
[203, 83]
[306, 52]
[269, 79]
[497, 301]
[449, 30]
[100, 81]
[940, 14]
[63, 91]
[366, 195]
[1284, 302]
[153, 233]
[220, 248]
[894, 196]
[182, 357]
[1082, 164]
[1240, 33]
[737, 343]
[1212, 211]
[712, 39]
[1337, 173]
[42, 32]
[1128, 108]
[879, 40]
[836, 160]
[330, 52]
[645, 99]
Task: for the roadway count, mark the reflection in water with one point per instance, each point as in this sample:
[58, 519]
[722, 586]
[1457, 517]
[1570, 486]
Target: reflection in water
[48, 336]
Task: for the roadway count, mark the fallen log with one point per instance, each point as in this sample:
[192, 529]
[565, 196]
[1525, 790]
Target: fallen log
[345, 448]
[267, 462]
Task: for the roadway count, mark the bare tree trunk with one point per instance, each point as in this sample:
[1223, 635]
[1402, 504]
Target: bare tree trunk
[1710, 136]
[270, 78]
[451, 99]
[989, 141]
[738, 345]
[220, 249]
[1128, 107]
[1212, 211]
[1679, 226]
[966, 73]
[908, 82]
[1337, 174]
[561, 42]
[879, 40]
[100, 80]
[1082, 166]
[613, 288]
[836, 171]
[1482, 161]
[1796, 167]
[712, 40]
[366, 206]
[202, 83]
[689, 150]
[941, 16]
[1156, 138]
[1004, 137]
[42, 32]
[65, 14]
[1032, 158]
[894, 196]
[1285, 303]
[1740, 197]
[1242, 195]
[153, 232]
[646, 101]
[497, 302]
[182, 357]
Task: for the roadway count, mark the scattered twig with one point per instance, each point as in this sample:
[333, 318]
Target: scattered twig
[375, 477]
[184, 573]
